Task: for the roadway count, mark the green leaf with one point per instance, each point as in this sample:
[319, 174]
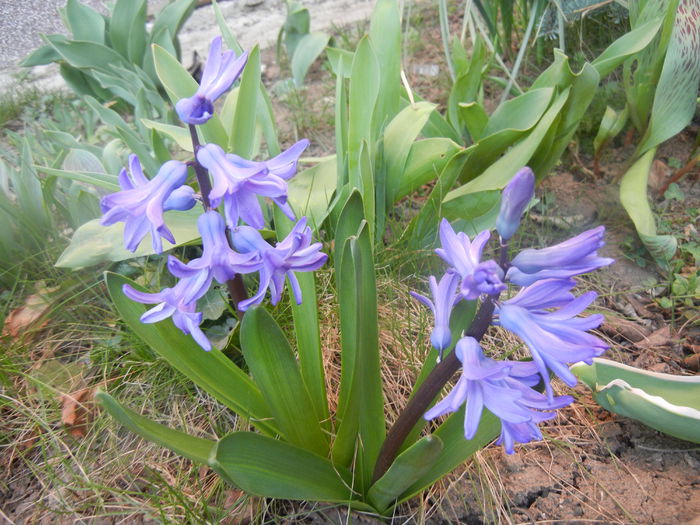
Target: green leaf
[274, 368]
[179, 134]
[101, 180]
[29, 197]
[228, 36]
[406, 469]
[270, 468]
[610, 127]
[456, 448]
[85, 55]
[84, 22]
[474, 212]
[675, 100]
[341, 61]
[362, 424]
[626, 46]
[308, 50]
[474, 117]
[244, 123]
[93, 243]
[191, 447]
[171, 19]
[42, 56]
[127, 29]
[399, 136]
[385, 38]
[311, 191]
[212, 371]
[633, 196]
[665, 402]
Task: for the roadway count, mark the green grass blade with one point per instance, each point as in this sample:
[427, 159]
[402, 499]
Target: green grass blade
[274, 367]
[193, 448]
[212, 371]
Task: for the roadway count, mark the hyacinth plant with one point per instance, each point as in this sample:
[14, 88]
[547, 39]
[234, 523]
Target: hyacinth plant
[293, 447]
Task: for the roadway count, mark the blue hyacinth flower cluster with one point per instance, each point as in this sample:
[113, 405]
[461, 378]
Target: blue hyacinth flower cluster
[544, 314]
[231, 244]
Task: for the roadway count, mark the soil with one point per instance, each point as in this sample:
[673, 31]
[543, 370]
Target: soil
[594, 466]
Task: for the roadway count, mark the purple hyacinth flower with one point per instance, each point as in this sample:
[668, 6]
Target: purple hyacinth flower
[497, 386]
[294, 253]
[566, 259]
[444, 299]
[239, 182]
[516, 196]
[464, 257]
[554, 338]
[220, 72]
[141, 202]
[178, 302]
[217, 256]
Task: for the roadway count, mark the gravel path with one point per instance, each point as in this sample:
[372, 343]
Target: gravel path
[23, 21]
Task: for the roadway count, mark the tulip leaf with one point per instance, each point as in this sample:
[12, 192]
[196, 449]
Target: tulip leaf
[85, 23]
[341, 61]
[177, 133]
[276, 372]
[171, 19]
[212, 371]
[271, 468]
[425, 161]
[85, 54]
[193, 448]
[308, 49]
[127, 29]
[610, 127]
[406, 469]
[665, 402]
[626, 46]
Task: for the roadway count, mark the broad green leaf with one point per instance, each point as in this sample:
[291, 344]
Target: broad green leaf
[399, 136]
[665, 402]
[266, 121]
[406, 469]
[84, 22]
[193, 448]
[93, 243]
[226, 33]
[101, 180]
[633, 196]
[42, 56]
[426, 160]
[244, 123]
[456, 448]
[675, 100]
[171, 19]
[341, 61]
[362, 424]
[311, 190]
[385, 38]
[626, 46]
[367, 184]
[84, 54]
[212, 371]
[341, 133]
[466, 86]
[270, 468]
[296, 25]
[610, 127]
[274, 368]
[307, 51]
[127, 29]
[179, 134]
[307, 331]
[474, 117]
[474, 212]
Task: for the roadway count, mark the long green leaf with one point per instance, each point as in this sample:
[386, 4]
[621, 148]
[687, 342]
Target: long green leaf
[307, 51]
[85, 23]
[270, 468]
[179, 134]
[633, 196]
[275, 370]
[385, 37]
[241, 140]
[311, 191]
[127, 29]
[626, 46]
[193, 448]
[101, 180]
[406, 469]
[426, 160]
[84, 54]
[171, 19]
[212, 371]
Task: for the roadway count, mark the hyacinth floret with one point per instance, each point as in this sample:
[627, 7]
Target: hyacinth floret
[444, 296]
[220, 72]
[142, 202]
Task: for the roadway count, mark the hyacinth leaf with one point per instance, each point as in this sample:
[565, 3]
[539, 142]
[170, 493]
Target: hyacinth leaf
[385, 37]
[406, 469]
[506, 126]
[271, 468]
[226, 33]
[425, 161]
[212, 371]
[399, 135]
[193, 448]
[93, 243]
[466, 86]
[626, 46]
[274, 367]
[633, 196]
[307, 330]
[307, 51]
[127, 29]
[610, 127]
[664, 402]
[178, 83]
[456, 449]
[474, 212]
[675, 100]
[84, 22]
[179, 134]
[244, 122]
[311, 192]
[100, 180]
[360, 405]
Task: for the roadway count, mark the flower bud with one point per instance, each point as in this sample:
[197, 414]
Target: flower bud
[516, 196]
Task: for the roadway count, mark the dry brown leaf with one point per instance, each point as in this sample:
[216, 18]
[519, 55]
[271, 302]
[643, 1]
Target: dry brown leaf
[25, 316]
[629, 330]
[658, 338]
[658, 175]
[75, 410]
